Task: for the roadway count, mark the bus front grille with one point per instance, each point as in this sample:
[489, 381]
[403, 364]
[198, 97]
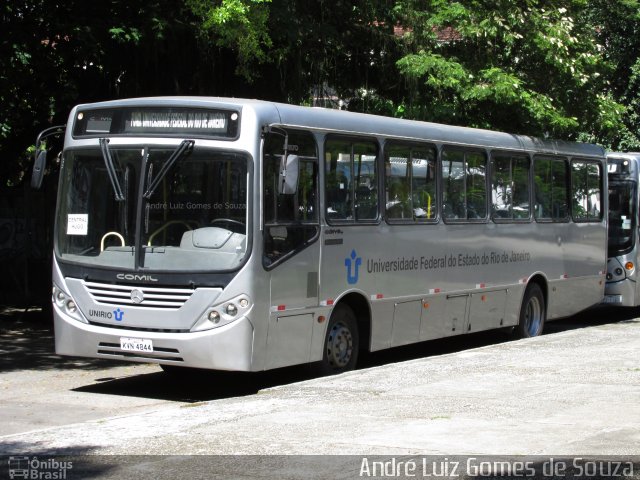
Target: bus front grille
[141, 329]
[138, 295]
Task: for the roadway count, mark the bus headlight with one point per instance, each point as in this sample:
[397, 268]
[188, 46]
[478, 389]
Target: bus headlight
[59, 297]
[71, 307]
[223, 313]
[66, 304]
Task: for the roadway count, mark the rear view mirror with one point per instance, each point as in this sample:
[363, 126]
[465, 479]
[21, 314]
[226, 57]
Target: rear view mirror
[288, 177]
[40, 160]
[39, 166]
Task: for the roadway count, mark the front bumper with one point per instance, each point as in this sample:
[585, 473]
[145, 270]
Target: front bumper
[621, 293]
[229, 347]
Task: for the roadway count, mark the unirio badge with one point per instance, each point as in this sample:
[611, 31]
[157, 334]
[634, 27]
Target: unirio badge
[353, 267]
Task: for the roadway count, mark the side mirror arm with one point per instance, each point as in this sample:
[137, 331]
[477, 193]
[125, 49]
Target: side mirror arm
[40, 155]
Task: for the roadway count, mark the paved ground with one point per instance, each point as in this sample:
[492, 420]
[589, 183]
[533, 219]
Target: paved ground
[573, 391]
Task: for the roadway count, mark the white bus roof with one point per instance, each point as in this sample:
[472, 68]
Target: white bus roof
[351, 122]
[629, 155]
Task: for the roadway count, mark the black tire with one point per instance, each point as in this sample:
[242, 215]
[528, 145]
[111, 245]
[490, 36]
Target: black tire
[341, 342]
[533, 313]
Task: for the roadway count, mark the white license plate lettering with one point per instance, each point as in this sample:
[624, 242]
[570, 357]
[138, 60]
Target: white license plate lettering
[612, 299]
[136, 344]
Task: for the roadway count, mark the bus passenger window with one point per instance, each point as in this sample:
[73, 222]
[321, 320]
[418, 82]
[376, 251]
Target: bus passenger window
[464, 195]
[551, 194]
[338, 188]
[351, 181]
[509, 187]
[423, 184]
[586, 191]
[410, 184]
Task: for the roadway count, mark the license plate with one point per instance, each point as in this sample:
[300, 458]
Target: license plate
[136, 344]
[612, 299]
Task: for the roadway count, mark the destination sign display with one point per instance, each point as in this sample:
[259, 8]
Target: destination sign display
[165, 121]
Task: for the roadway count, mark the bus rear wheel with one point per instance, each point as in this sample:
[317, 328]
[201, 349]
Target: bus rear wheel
[341, 343]
[532, 313]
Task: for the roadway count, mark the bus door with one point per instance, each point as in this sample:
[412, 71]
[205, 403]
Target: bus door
[293, 286]
[552, 214]
[623, 238]
[584, 247]
[291, 252]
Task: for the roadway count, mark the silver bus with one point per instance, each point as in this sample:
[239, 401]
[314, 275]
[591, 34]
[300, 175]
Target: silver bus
[247, 235]
[622, 272]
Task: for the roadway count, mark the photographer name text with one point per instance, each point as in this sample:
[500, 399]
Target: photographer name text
[478, 467]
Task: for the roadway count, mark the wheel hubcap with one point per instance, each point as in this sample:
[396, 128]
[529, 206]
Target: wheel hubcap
[339, 346]
[533, 317]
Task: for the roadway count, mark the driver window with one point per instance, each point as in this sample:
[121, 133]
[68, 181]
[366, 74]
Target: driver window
[290, 220]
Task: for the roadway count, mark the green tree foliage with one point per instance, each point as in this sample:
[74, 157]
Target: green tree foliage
[332, 49]
[531, 67]
[564, 68]
[57, 54]
[240, 25]
[63, 53]
[617, 26]
[629, 138]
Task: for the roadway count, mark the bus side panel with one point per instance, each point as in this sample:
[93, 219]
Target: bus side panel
[486, 310]
[582, 281]
[406, 322]
[438, 280]
[443, 316]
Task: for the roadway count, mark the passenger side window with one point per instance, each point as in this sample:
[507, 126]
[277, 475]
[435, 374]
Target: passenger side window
[509, 187]
[586, 191]
[290, 220]
[464, 189]
[351, 181]
[551, 195]
[410, 183]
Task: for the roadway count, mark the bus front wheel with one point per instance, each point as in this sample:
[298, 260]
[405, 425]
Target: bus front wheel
[341, 342]
[532, 313]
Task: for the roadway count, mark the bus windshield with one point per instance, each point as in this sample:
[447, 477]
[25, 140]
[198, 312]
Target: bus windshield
[193, 219]
[621, 219]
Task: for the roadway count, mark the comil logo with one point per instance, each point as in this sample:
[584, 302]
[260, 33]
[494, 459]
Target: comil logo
[353, 267]
[136, 278]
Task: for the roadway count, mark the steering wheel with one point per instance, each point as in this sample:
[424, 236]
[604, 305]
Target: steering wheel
[236, 225]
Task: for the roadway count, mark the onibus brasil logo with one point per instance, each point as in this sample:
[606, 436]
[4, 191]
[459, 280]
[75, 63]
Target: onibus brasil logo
[353, 263]
[34, 468]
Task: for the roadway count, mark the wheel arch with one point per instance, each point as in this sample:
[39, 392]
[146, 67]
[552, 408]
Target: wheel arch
[533, 308]
[541, 281]
[361, 308]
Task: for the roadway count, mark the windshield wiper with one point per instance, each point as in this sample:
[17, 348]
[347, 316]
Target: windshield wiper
[111, 169]
[184, 149]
